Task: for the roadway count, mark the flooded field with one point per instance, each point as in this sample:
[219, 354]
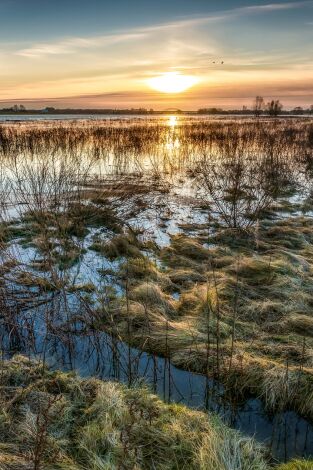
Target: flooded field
[176, 251]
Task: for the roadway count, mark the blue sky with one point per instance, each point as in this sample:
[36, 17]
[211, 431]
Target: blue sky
[98, 53]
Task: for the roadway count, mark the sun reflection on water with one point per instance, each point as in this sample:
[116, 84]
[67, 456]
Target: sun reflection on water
[172, 121]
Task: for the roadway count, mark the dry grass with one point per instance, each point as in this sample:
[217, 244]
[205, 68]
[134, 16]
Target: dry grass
[301, 324]
[150, 295]
[273, 289]
[59, 421]
[121, 245]
[245, 306]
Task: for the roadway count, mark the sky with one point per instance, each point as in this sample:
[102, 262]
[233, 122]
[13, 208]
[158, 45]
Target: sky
[103, 54]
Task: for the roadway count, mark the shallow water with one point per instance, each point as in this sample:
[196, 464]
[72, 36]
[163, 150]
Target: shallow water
[66, 117]
[99, 355]
[61, 117]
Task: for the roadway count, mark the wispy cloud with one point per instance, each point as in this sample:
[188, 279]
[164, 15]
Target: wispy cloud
[215, 47]
[227, 94]
[71, 45]
[227, 14]
[276, 6]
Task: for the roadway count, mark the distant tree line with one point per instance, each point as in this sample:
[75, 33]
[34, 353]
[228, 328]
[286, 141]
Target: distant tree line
[20, 109]
[16, 109]
[273, 108]
[259, 108]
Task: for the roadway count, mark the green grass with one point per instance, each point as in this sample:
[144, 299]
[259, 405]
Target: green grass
[297, 465]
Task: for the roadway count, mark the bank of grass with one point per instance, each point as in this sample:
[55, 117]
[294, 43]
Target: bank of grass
[243, 310]
[46, 229]
[240, 310]
[52, 420]
[122, 245]
[297, 465]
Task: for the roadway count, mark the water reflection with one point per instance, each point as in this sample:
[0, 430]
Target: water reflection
[172, 121]
[100, 355]
[159, 161]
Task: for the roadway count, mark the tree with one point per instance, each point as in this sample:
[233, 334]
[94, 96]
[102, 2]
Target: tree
[16, 108]
[274, 108]
[258, 106]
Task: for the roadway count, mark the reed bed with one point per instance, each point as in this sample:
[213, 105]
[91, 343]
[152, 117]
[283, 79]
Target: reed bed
[193, 242]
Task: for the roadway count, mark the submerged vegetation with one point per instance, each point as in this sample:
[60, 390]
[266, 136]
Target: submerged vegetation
[192, 242]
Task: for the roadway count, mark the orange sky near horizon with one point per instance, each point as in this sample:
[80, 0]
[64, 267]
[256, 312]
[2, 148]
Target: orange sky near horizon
[230, 56]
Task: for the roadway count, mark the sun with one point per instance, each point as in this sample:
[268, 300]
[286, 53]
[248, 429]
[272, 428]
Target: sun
[172, 82]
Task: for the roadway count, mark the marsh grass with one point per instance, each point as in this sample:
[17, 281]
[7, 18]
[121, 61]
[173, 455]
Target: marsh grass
[54, 420]
[297, 465]
[230, 297]
[272, 293]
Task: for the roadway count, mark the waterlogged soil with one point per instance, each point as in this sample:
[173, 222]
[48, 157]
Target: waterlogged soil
[92, 353]
[151, 284]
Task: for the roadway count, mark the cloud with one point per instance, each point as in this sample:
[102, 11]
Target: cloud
[227, 14]
[275, 6]
[71, 45]
[125, 59]
[214, 95]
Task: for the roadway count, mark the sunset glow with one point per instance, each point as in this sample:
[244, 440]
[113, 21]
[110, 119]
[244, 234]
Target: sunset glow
[184, 55]
[172, 82]
[156, 202]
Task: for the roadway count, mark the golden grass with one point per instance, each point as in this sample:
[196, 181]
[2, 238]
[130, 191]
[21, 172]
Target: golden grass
[89, 424]
[254, 284]
[264, 298]
[150, 294]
